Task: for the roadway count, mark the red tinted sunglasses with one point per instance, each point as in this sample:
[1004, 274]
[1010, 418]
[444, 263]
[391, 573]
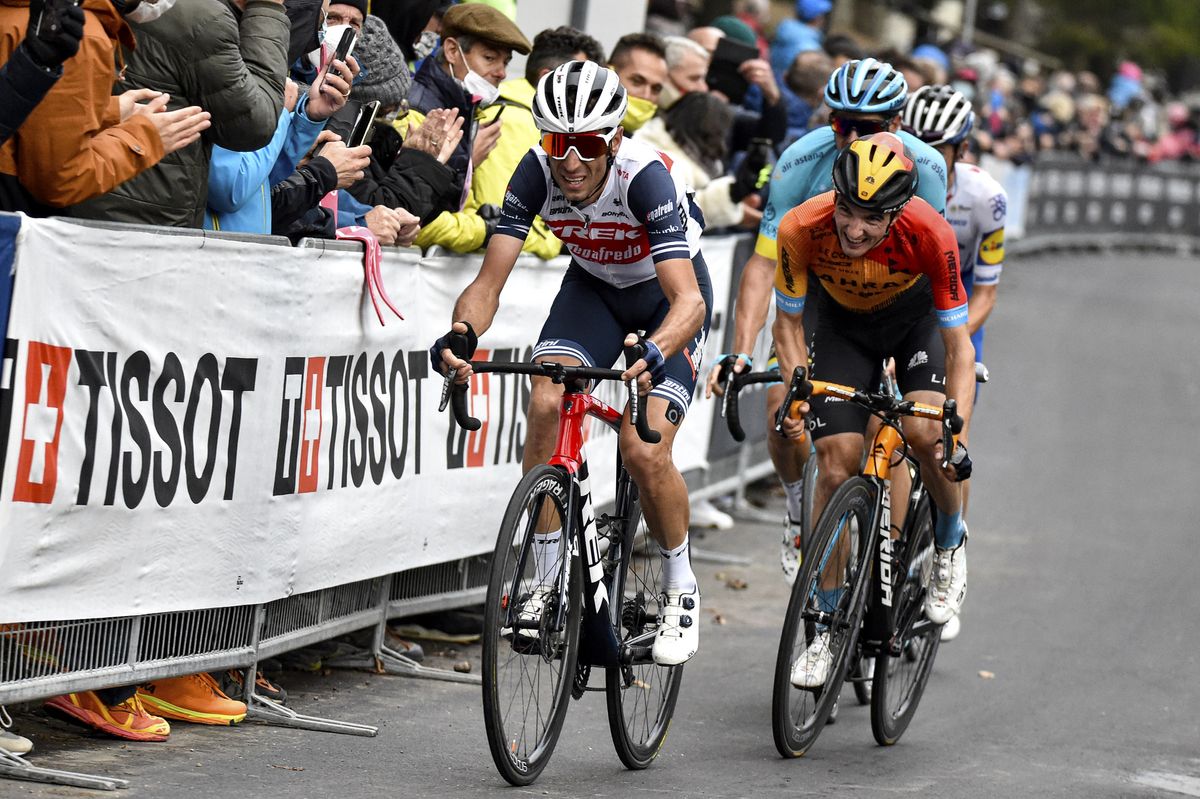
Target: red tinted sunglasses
[588, 146]
[865, 127]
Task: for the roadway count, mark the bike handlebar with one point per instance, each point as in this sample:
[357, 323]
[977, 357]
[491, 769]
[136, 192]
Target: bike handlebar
[456, 393]
[733, 386]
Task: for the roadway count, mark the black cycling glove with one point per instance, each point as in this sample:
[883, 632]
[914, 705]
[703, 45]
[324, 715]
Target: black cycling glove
[961, 461]
[54, 33]
[454, 342]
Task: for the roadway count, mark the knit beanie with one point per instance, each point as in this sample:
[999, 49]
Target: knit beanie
[385, 72]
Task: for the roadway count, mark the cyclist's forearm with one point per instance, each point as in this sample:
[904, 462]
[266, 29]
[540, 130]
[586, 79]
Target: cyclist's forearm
[753, 302]
[479, 301]
[680, 324]
[960, 370]
[980, 306]
[791, 347]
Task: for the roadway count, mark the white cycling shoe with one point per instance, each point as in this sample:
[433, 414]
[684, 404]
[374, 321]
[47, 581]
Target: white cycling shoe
[952, 628]
[529, 615]
[947, 584]
[790, 557]
[811, 669]
[678, 635]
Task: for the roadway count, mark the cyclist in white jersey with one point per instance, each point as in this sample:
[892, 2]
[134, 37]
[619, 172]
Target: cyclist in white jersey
[865, 97]
[976, 208]
[634, 238]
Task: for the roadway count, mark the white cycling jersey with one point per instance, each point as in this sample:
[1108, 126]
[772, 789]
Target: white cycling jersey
[643, 215]
[977, 209]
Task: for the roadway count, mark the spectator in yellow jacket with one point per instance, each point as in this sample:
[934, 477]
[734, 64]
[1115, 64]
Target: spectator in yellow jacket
[469, 229]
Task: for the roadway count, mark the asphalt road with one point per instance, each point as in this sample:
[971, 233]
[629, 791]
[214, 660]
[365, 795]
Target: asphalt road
[1074, 674]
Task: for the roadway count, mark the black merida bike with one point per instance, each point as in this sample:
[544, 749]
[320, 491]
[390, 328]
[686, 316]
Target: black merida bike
[570, 591]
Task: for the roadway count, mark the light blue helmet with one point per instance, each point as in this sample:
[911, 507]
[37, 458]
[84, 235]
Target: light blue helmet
[866, 87]
[811, 9]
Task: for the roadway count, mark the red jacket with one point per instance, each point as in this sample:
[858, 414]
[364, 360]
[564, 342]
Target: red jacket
[74, 145]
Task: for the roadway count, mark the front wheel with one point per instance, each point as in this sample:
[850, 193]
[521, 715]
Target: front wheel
[900, 678]
[531, 627]
[641, 694]
[824, 614]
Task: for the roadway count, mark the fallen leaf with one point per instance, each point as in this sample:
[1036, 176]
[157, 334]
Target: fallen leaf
[736, 583]
[719, 576]
[718, 618]
[987, 675]
[463, 667]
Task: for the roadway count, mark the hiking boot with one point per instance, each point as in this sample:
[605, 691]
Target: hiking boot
[194, 697]
[231, 685]
[678, 635]
[811, 669]
[947, 584]
[128, 719]
[790, 557]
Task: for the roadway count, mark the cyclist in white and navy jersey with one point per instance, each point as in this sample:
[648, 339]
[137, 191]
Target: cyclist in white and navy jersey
[976, 204]
[636, 272]
[976, 208]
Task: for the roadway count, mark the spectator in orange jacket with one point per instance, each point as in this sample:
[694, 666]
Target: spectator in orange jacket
[81, 141]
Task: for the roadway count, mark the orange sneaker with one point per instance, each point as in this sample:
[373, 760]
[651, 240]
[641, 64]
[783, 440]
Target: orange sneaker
[194, 697]
[128, 720]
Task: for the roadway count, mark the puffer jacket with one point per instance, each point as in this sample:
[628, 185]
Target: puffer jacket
[466, 230]
[230, 63]
[73, 145]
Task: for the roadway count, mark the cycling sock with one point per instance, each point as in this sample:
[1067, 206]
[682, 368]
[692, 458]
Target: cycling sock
[677, 568]
[948, 530]
[545, 555]
[795, 499]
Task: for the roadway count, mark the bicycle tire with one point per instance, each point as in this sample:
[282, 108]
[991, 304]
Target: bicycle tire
[809, 497]
[641, 697]
[797, 714]
[520, 671]
[900, 680]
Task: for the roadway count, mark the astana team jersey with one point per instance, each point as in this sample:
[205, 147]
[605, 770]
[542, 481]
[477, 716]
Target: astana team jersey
[806, 169]
[977, 210]
[918, 244]
[643, 215]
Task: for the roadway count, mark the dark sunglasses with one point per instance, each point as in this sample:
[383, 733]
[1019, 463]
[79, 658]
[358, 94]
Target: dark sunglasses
[865, 127]
[588, 146]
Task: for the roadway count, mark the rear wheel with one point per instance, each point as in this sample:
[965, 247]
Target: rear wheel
[641, 695]
[838, 560]
[529, 658]
[900, 678]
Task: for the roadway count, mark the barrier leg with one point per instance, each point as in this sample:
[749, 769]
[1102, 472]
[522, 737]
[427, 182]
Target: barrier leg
[382, 659]
[268, 712]
[739, 507]
[18, 768]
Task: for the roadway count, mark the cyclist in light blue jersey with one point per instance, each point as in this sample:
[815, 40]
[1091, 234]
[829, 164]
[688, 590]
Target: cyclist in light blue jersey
[865, 97]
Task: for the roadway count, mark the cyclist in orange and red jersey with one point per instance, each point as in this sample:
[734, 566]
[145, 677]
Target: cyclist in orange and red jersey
[887, 268]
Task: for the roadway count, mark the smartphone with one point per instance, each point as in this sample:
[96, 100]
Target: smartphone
[344, 45]
[496, 118]
[723, 75]
[363, 123]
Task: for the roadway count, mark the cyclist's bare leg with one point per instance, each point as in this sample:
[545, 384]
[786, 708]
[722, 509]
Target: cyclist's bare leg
[925, 436]
[662, 488]
[838, 458]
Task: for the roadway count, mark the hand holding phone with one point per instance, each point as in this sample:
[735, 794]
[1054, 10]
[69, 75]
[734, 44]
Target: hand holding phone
[363, 123]
[54, 31]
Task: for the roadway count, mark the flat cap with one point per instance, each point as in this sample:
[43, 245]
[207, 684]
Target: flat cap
[484, 22]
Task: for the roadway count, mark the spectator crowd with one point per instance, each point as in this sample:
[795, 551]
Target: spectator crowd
[301, 118]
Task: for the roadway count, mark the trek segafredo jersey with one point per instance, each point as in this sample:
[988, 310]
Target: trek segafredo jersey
[977, 209]
[643, 215]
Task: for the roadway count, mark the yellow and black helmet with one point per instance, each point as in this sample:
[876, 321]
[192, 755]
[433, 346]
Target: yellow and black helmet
[876, 173]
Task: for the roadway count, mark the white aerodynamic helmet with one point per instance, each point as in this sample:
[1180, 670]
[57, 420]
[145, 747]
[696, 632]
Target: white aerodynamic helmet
[579, 97]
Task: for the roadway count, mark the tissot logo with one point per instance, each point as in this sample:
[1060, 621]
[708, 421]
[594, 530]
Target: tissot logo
[498, 401]
[344, 420]
[126, 412]
[45, 390]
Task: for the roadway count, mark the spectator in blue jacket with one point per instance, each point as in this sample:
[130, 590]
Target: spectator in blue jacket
[793, 36]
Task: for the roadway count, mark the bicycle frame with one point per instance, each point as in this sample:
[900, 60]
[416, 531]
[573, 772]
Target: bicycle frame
[599, 645]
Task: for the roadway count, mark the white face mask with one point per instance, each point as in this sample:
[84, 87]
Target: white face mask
[330, 36]
[479, 86]
[149, 11]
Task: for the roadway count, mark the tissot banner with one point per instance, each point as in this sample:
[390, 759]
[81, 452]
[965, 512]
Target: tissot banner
[196, 422]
